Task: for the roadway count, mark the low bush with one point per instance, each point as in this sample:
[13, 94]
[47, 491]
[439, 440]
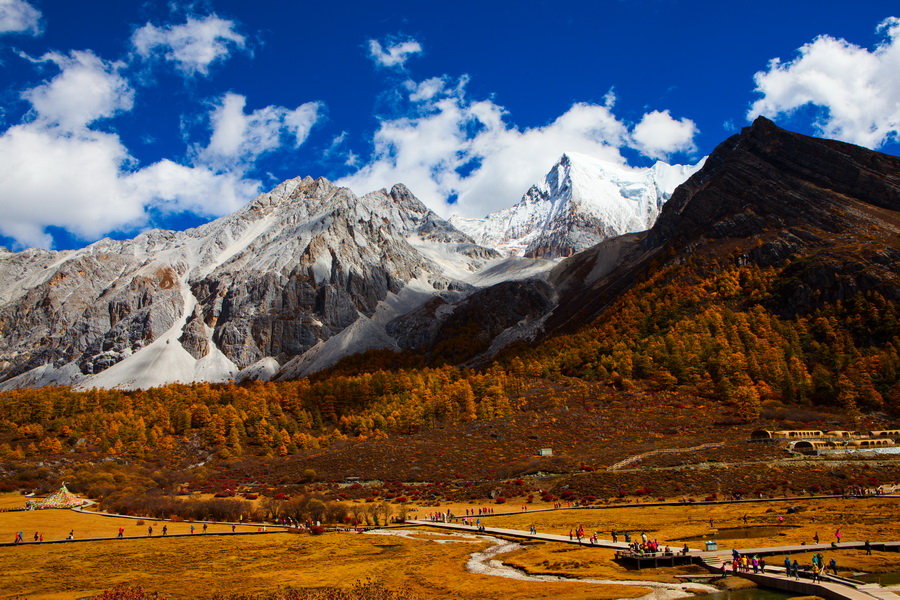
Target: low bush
[366, 590]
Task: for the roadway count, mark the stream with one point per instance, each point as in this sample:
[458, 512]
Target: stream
[487, 562]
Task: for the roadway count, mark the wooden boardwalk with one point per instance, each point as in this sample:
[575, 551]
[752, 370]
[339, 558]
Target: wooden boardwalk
[828, 588]
[518, 533]
[719, 556]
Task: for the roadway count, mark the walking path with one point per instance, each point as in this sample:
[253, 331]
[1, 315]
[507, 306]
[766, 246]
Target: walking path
[81, 509]
[718, 556]
[828, 587]
[138, 537]
[518, 533]
[633, 459]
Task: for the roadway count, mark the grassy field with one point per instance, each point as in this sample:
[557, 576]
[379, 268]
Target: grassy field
[595, 563]
[859, 519]
[201, 567]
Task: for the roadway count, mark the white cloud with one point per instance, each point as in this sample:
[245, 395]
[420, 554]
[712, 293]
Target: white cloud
[856, 90]
[18, 16]
[395, 54]
[425, 90]
[74, 181]
[199, 189]
[85, 182]
[55, 170]
[658, 135]
[239, 138]
[451, 146]
[193, 46]
[86, 89]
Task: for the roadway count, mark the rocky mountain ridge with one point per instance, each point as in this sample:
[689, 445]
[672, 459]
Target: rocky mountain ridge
[251, 290]
[580, 202]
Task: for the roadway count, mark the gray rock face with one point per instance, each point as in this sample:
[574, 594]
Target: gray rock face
[294, 267]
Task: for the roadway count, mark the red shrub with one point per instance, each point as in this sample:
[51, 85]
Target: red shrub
[125, 592]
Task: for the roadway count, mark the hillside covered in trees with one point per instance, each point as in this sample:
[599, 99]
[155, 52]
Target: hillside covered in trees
[771, 279]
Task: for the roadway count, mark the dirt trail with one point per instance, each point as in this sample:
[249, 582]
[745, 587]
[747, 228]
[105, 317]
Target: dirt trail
[643, 455]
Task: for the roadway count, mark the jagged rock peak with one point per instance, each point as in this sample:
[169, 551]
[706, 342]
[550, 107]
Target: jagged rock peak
[290, 191]
[581, 201]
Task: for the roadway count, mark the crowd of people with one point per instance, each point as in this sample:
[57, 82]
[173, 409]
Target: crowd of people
[742, 563]
[818, 567]
[444, 516]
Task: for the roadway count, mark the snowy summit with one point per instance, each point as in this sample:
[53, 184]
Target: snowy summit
[580, 202]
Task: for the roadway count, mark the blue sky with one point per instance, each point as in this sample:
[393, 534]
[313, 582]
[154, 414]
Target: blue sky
[119, 116]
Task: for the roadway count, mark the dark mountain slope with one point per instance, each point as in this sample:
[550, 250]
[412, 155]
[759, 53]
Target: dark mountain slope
[765, 197]
[773, 274]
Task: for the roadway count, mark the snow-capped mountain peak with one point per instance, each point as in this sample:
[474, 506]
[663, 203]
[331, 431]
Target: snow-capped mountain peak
[580, 202]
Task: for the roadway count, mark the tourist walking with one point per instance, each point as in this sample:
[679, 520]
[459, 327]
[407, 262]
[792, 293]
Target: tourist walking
[868, 547]
[796, 568]
[832, 564]
[149, 530]
[165, 530]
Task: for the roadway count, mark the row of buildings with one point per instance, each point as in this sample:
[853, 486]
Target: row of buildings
[814, 441]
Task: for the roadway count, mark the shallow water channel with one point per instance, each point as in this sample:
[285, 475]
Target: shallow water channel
[487, 562]
[745, 594]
